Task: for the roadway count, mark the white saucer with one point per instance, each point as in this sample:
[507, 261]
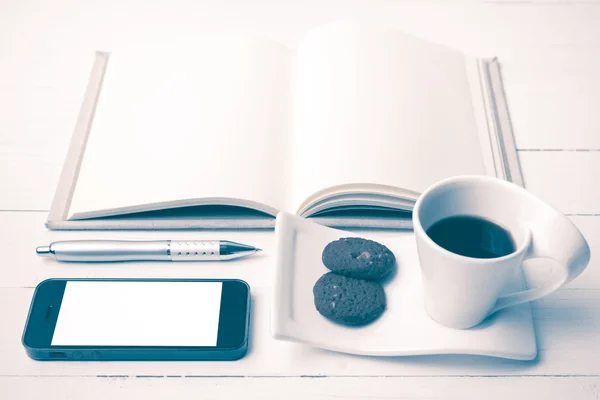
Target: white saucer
[405, 328]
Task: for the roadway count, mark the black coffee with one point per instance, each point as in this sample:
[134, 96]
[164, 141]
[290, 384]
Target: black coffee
[472, 237]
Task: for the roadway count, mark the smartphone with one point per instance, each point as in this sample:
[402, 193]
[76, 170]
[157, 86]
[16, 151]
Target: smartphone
[138, 319]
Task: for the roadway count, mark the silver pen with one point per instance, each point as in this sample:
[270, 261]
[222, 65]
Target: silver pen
[153, 250]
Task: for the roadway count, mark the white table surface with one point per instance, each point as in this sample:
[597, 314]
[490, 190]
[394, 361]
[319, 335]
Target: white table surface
[550, 56]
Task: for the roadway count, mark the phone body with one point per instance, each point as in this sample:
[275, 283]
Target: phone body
[138, 319]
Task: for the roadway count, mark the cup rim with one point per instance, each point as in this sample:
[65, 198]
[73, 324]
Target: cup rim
[418, 228]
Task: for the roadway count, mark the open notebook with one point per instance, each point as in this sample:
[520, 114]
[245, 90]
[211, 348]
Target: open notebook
[346, 129]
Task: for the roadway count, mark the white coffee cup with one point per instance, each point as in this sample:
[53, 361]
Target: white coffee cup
[460, 292]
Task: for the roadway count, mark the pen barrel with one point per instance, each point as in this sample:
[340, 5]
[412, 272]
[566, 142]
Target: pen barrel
[111, 250]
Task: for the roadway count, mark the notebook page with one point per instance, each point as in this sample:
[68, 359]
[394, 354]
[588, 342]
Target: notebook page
[204, 122]
[377, 106]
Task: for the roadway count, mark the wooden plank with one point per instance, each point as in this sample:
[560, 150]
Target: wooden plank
[32, 180]
[547, 68]
[552, 94]
[36, 130]
[566, 324]
[565, 179]
[582, 388]
[42, 27]
[27, 269]
[22, 232]
[540, 2]
[523, 24]
[555, 120]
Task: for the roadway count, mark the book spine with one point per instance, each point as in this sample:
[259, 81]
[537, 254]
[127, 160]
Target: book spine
[493, 120]
[506, 140]
[70, 171]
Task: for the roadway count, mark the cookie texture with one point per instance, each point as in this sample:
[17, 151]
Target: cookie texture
[348, 301]
[359, 258]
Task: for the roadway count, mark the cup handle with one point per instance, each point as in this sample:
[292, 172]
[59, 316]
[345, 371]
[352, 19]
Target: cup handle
[557, 239]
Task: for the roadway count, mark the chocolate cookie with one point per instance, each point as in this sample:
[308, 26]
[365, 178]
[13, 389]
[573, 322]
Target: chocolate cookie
[348, 301]
[359, 258]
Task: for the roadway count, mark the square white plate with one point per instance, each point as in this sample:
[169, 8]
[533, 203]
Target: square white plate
[405, 328]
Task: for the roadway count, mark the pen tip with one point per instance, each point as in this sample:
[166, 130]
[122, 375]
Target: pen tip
[257, 249]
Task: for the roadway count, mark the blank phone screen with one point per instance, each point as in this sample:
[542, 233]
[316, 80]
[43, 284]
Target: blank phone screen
[138, 314]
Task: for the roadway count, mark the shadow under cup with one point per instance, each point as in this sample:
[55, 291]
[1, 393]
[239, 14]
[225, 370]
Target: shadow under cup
[461, 291]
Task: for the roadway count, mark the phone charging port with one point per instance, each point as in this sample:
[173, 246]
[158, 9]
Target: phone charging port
[58, 355]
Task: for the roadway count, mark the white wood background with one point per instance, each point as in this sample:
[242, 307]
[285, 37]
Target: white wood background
[550, 56]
